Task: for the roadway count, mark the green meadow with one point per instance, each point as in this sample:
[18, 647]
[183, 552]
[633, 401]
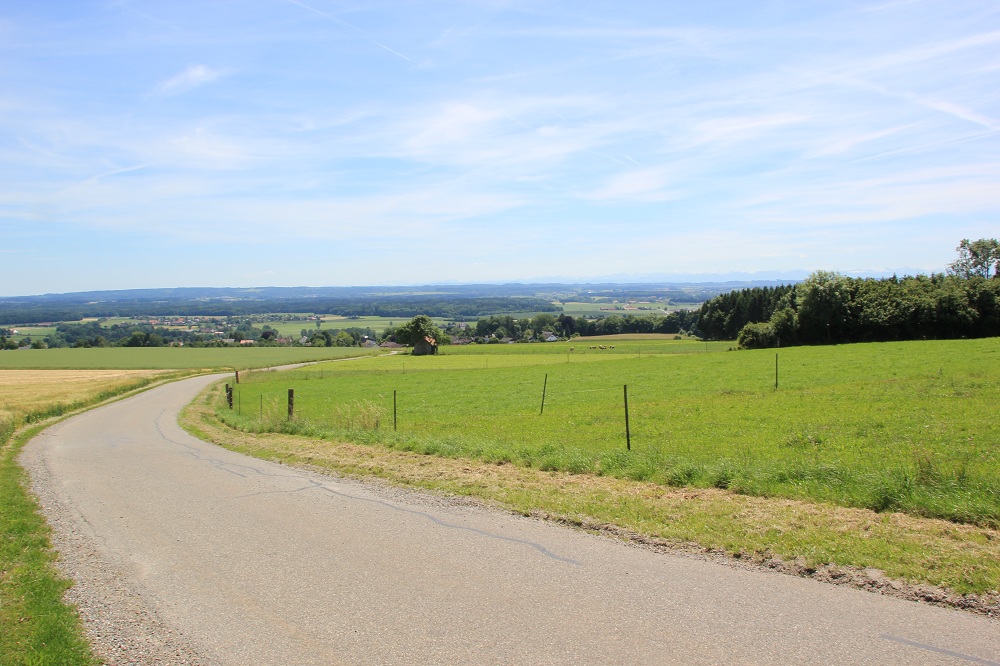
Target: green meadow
[33, 332]
[908, 427]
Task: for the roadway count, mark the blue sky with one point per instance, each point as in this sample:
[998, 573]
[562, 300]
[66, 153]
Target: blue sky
[327, 142]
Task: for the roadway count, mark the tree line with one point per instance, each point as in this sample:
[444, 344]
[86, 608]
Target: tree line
[501, 327]
[831, 308]
[233, 332]
[33, 310]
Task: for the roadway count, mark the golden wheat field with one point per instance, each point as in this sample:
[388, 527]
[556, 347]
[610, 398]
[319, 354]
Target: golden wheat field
[23, 391]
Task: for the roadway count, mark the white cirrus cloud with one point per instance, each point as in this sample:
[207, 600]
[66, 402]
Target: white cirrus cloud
[192, 77]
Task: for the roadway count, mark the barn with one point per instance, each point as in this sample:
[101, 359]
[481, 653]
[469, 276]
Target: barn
[425, 347]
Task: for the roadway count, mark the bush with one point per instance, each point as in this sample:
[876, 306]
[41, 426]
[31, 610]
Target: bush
[756, 336]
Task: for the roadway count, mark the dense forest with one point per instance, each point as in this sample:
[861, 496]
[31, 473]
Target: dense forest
[829, 308]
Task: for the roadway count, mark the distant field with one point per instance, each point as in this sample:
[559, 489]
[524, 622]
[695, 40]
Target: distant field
[163, 358]
[908, 427]
[35, 332]
[577, 309]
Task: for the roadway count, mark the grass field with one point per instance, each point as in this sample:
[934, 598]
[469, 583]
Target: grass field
[602, 309]
[891, 427]
[164, 358]
[34, 332]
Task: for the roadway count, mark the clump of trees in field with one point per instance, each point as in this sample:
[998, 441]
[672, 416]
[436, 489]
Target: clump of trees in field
[830, 308]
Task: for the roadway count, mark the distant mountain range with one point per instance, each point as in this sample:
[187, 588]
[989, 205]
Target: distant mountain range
[484, 290]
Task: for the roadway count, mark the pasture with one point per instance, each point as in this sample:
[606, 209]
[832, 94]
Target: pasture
[907, 427]
[33, 332]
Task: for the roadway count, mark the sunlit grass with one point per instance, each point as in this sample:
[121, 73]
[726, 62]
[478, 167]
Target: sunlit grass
[903, 427]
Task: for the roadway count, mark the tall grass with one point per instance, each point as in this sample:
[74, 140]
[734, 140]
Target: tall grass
[892, 427]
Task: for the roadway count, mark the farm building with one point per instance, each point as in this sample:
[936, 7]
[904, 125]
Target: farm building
[425, 347]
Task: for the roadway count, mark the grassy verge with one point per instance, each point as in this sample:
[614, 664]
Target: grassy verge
[36, 626]
[839, 543]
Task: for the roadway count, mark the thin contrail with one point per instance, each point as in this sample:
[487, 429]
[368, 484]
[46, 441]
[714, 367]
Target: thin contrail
[348, 25]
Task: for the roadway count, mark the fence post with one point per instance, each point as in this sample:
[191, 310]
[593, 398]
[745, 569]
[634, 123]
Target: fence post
[229, 395]
[775, 372]
[291, 403]
[628, 433]
[544, 386]
[237, 376]
[394, 410]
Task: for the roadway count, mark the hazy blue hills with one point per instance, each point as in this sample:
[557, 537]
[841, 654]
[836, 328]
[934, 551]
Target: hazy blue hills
[446, 300]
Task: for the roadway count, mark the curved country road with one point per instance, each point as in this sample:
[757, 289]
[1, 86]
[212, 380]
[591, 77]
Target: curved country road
[241, 561]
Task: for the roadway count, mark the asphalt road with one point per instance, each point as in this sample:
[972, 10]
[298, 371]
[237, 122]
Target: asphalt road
[255, 563]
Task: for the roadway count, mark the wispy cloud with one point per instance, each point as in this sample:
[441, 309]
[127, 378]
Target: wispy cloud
[192, 77]
[636, 185]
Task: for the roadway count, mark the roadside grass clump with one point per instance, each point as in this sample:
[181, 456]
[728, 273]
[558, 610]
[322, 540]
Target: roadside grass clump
[890, 427]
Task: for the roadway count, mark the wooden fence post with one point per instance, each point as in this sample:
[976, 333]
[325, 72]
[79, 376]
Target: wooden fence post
[544, 386]
[291, 403]
[628, 433]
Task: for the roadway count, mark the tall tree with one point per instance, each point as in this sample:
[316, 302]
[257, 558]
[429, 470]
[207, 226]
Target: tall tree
[417, 329]
[978, 258]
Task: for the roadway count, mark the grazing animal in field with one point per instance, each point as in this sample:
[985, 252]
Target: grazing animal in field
[572, 348]
[603, 347]
[593, 346]
[612, 346]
